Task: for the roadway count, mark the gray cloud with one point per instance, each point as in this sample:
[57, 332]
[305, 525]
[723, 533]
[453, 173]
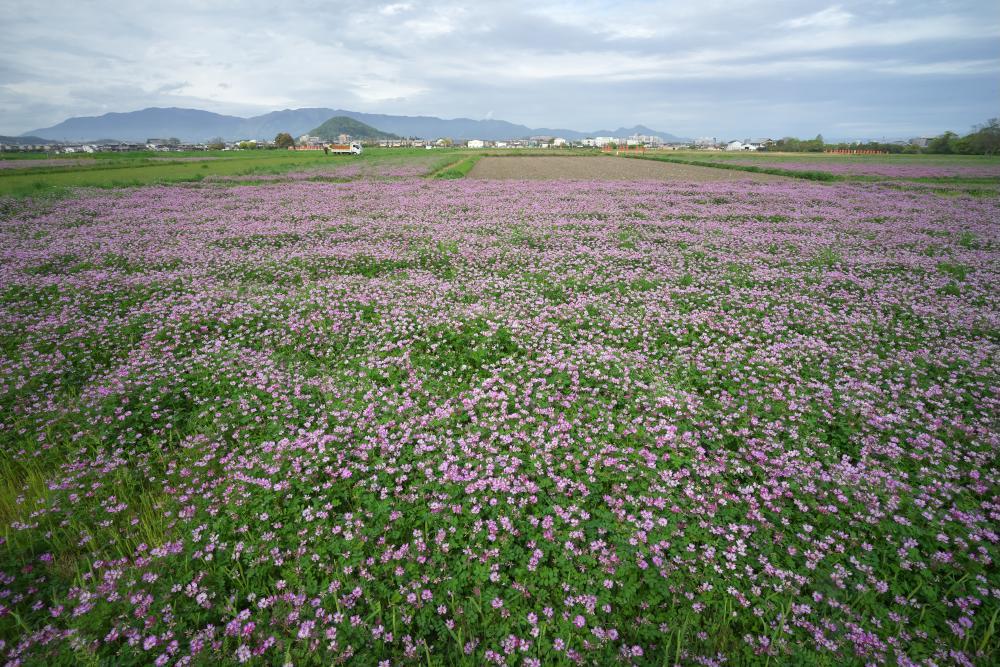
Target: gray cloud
[726, 68]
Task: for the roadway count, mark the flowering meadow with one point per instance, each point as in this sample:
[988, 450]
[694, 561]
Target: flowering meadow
[411, 421]
[327, 172]
[897, 169]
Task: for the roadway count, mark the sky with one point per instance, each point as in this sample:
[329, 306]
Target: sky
[723, 68]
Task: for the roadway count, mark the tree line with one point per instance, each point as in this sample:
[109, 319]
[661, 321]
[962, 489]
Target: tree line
[984, 139]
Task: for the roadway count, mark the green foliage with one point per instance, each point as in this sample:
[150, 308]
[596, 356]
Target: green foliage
[983, 140]
[953, 269]
[945, 143]
[794, 145]
[827, 258]
[333, 127]
[458, 169]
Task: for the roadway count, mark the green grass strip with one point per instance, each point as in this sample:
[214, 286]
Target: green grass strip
[458, 169]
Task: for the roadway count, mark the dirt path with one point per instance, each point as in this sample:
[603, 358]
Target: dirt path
[604, 168]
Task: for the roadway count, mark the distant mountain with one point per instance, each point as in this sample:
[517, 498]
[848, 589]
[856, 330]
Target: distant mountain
[24, 140]
[294, 121]
[637, 129]
[430, 127]
[334, 127]
[620, 132]
[185, 124]
[197, 125]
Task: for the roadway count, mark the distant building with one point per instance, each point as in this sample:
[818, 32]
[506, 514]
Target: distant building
[558, 141]
[476, 143]
[604, 141]
[650, 140]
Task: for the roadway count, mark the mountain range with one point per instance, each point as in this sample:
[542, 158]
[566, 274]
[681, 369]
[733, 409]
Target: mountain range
[198, 125]
[23, 140]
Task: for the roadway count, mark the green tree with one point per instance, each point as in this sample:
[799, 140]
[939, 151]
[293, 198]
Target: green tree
[284, 140]
[946, 143]
[815, 145]
[790, 144]
[216, 144]
[986, 138]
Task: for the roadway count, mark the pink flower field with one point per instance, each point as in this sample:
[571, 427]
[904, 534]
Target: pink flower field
[413, 421]
[898, 169]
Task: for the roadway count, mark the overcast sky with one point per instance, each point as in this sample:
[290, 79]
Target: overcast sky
[726, 68]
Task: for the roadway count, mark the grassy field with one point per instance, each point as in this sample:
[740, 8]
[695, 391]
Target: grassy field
[970, 169]
[129, 170]
[114, 170]
[832, 158]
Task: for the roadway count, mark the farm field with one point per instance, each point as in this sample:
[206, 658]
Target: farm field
[310, 413]
[600, 167]
[845, 165]
[27, 177]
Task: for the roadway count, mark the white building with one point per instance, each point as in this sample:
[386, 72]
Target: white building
[651, 140]
[558, 141]
[604, 141]
[476, 143]
[742, 146]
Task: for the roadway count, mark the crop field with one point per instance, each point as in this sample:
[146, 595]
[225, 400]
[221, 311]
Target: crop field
[34, 177]
[603, 168]
[916, 170]
[379, 414]
[922, 167]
